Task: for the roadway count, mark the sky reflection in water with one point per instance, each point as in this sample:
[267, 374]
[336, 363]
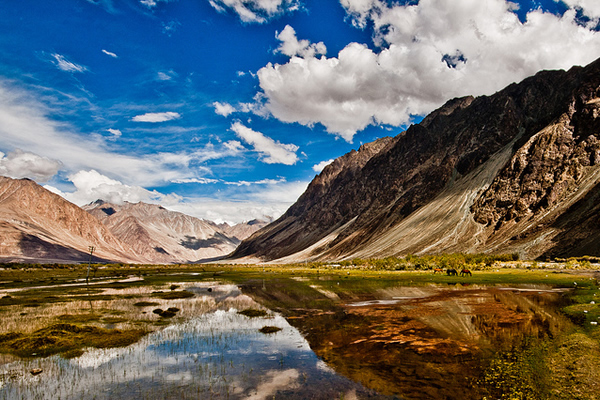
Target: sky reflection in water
[220, 354]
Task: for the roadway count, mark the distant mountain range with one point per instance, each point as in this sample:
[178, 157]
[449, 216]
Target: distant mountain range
[37, 225]
[514, 172]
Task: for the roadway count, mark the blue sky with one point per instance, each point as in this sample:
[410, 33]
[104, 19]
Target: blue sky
[226, 109]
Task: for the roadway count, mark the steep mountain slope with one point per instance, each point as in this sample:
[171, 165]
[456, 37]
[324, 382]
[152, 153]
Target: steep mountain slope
[517, 171]
[37, 225]
[164, 236]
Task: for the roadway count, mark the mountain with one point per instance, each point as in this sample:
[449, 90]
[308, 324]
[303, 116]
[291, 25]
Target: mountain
[37, 225]
[245, 229]
[514, 172]
[165, 236]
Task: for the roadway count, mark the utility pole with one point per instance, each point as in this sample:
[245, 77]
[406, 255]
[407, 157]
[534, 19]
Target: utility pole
[87, 278]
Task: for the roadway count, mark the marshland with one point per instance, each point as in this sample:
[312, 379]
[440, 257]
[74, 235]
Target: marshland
[360, 329]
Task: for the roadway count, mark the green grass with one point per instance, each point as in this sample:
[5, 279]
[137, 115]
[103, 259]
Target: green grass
[67, 339]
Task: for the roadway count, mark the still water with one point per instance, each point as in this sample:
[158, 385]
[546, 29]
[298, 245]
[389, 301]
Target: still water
[404, 342]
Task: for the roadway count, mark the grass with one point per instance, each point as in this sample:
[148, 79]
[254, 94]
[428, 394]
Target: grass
[66, 339]
[552, 368]
[181, 294]
[269, 329]
[253, 313]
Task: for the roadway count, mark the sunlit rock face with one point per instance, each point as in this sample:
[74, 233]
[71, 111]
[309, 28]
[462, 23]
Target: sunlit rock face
[517, 171]
[161, 235]
[37, 225]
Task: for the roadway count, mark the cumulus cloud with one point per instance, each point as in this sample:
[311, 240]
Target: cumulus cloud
[92, 185]
[320, 166]
[156, 117]
[427, 53]
[21, 164]
[110, 53]
[271, 151]
[589, 8]
[65, 65]
[256, 11]
[291, 46]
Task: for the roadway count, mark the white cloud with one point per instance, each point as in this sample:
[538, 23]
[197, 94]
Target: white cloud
[20, 164]
[269, 198]
[65, 65]
[25, 124]
[115, 132]
[170, 27]
[256, 11]
[156, 117]
[203, 181]
[589, 8]
[91, 186]
[224, 109]
[429, 53]
[319, 167]
[291, 46]
[152, 3]
[260, 182]
[234, 146]
[166, 76]
[110, 53]
[271, 152]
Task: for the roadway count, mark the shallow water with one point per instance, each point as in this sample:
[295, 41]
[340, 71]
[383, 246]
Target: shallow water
[413, 342]
[220, 354]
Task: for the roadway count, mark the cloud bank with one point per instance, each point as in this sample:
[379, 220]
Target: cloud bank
[21, 164]
[427, 53]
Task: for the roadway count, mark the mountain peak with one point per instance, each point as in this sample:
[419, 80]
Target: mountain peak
[502, 173]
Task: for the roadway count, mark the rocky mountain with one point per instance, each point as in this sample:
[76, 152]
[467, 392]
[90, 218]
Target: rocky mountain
[243, 230]
[517, 171]
[165, 236]
[37, 225]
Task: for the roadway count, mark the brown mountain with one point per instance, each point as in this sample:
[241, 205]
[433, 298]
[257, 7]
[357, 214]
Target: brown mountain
[164, 236]
[37, 225]
[518, 171]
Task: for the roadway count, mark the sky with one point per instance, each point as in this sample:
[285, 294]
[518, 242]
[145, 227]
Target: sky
[227, 109]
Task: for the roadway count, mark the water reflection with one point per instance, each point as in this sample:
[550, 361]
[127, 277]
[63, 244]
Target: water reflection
[417, 342]
[217, 353]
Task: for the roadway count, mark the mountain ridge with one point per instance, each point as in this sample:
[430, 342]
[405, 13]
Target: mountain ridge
[398, 201]
[37, 225]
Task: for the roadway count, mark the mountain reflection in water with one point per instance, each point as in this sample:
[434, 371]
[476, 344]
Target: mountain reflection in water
[217, 355]
[421, 342]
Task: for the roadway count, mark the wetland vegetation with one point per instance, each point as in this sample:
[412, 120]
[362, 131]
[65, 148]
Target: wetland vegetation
[377, 329]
